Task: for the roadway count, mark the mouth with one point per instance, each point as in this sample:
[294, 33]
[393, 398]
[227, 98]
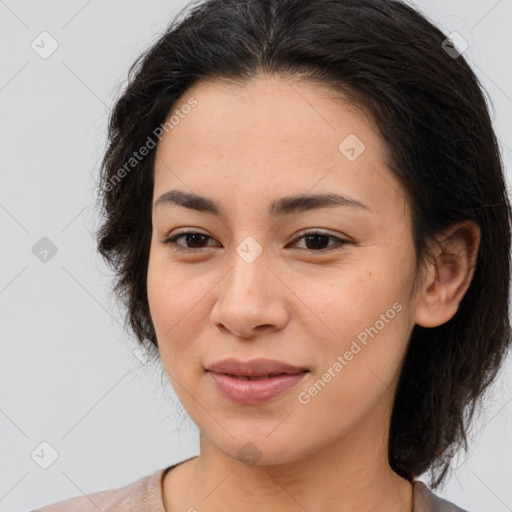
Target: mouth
[255, 368]
[260, 377]
[254, 382]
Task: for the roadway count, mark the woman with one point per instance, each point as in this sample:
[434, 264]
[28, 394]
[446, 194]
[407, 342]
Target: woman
[305, 206]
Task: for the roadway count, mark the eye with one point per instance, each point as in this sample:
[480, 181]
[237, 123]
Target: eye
[314, 240]
[193, 237]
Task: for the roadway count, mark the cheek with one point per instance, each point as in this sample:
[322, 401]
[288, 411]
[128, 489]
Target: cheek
[166, 306]
[358, 369]
[369, 327]
[351, 300]
[172, 290]
[177, 301]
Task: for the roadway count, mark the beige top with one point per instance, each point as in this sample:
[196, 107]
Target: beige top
[145, 495]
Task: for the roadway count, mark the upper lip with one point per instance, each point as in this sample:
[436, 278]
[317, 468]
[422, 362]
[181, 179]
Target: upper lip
[253, 367]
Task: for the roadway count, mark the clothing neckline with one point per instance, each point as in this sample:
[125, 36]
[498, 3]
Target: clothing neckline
[420, 492]
[156, 484]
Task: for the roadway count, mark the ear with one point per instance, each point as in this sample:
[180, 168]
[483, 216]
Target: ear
[448, 274]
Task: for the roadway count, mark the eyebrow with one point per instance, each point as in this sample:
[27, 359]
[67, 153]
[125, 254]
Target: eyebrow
[283, 206]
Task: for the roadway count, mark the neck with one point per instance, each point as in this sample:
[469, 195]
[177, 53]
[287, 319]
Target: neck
[345, 477]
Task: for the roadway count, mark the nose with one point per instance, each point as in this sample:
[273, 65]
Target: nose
[252, 299]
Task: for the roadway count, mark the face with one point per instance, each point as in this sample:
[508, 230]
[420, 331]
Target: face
[322, 287]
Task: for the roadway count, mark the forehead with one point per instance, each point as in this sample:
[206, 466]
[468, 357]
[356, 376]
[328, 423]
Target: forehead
[272, 135]
[271, 114]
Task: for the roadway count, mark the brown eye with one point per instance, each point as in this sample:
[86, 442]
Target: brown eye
[193, 241]
[316, 241]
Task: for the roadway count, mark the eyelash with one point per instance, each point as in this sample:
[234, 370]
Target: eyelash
[172, 241]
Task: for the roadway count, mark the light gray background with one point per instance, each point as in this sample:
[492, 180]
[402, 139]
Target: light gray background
[68, 373]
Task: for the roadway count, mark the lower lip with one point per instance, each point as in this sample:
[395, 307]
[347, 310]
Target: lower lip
[253, 392]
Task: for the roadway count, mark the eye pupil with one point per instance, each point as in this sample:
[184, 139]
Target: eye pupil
[194, 241]
[195, 235]
[316, 238]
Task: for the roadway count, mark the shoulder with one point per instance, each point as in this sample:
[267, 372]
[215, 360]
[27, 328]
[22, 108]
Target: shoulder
[140, 495]
[426, 501]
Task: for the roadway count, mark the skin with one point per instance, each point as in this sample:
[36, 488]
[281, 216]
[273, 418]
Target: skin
[245, 147]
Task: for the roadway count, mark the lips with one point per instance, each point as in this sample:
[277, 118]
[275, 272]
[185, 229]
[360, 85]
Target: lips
[254, 369]
[244, 377]
[254, 382]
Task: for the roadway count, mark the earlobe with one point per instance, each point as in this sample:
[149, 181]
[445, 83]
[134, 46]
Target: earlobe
[449, 274]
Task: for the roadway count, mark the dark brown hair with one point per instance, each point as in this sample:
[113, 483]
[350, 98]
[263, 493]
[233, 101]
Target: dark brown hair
[433, 118]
